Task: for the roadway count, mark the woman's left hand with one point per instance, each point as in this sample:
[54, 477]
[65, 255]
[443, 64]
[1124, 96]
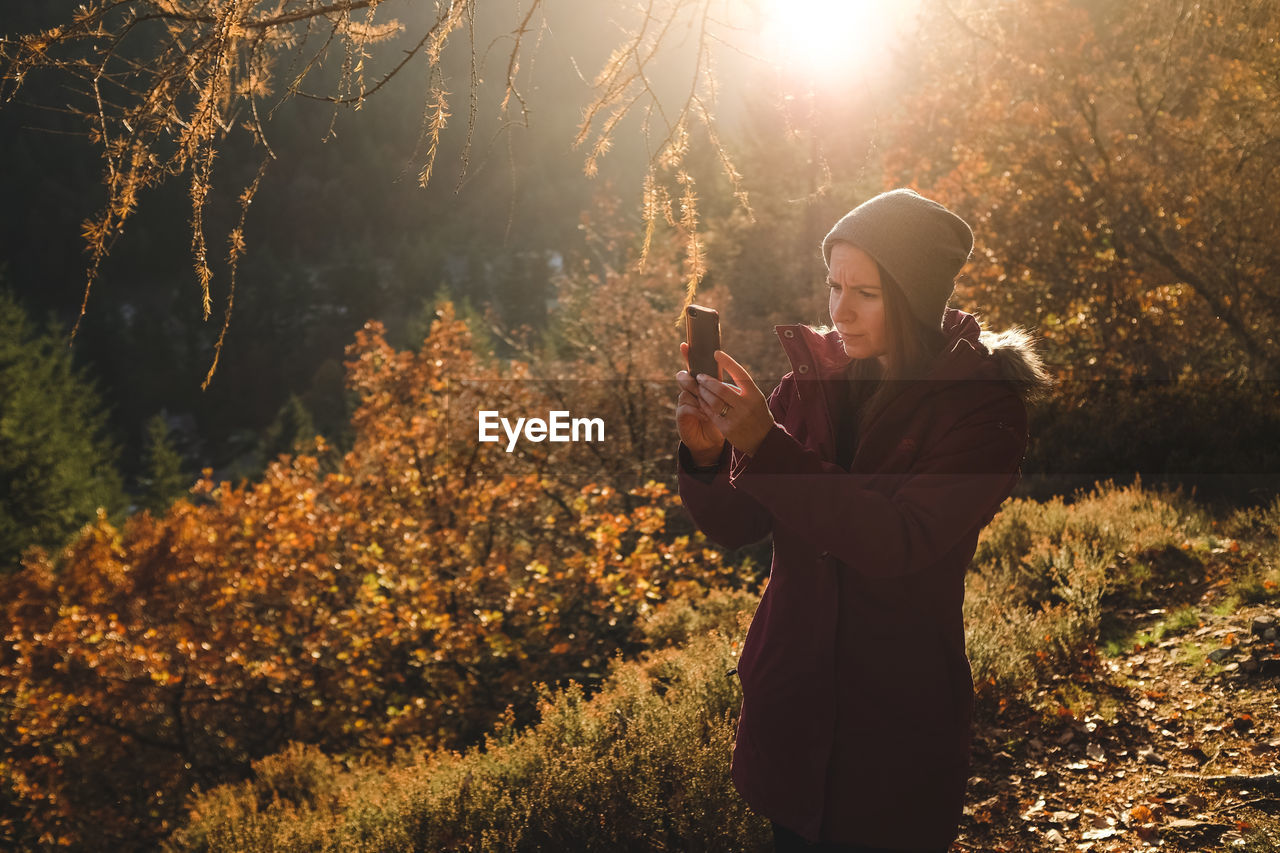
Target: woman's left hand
[741, 414]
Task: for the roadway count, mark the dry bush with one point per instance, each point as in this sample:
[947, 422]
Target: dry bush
[408, 591]
[642, 765]
[1044, 574]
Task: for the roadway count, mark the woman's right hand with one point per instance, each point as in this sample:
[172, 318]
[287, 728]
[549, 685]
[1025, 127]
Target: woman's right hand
[704, 441]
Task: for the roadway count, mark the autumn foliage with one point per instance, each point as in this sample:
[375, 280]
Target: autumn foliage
[401, 595]
[643, 764]
[1117, 162]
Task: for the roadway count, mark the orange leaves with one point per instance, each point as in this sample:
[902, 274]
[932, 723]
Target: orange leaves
[1103, 167]
[412, 573]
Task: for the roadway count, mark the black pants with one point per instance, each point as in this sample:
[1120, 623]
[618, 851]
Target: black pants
[786, 841]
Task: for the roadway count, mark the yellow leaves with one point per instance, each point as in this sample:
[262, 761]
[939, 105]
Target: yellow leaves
[94, 231]
[308, 584]
[369, 32]
[590, 166]
[36, 43]
[164, 677]
[437, 117]
[673, 152]
[489, 616]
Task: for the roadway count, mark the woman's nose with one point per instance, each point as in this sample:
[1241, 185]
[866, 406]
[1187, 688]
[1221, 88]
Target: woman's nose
[844, 308]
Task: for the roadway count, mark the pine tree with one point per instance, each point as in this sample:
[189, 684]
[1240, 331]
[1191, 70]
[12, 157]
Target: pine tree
[293, 427]
[56, 465]
[165, 480]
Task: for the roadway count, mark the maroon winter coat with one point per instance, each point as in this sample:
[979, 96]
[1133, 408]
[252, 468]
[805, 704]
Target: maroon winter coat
[857, 693]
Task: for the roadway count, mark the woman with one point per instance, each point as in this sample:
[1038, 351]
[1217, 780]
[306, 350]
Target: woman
[874, 465]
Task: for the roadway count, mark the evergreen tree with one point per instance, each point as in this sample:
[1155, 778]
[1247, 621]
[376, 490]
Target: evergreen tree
[292, 427]
[484, 344]
[165, 480]
[56, 466]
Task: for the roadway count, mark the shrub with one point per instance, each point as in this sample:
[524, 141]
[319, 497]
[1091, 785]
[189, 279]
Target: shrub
[679, 620]
[641, 765]
[57, 465]
[1216, 435]
[1045, 574]
[410, 590]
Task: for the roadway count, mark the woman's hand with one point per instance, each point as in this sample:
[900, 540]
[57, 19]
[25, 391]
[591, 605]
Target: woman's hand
[699, 434]
[740, 414]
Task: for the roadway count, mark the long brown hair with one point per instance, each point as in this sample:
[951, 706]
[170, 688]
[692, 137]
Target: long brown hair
[912, 347]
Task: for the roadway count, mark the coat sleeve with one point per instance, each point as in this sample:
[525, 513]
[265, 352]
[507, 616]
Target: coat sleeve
[726, 515]
[958, 483]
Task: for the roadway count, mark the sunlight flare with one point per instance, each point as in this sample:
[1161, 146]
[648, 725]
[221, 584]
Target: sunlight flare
[832, 37]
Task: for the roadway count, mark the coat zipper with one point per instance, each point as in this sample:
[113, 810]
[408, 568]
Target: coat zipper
[835, 644]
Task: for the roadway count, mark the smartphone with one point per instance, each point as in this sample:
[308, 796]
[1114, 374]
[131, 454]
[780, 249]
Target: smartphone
[702, 332]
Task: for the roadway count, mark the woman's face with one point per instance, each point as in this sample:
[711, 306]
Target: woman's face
[857, 303]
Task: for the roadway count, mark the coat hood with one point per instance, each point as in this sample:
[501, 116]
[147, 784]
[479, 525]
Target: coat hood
[1013, 352]
[970, 352]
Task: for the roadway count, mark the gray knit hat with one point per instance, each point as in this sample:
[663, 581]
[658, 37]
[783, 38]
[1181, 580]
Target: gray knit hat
[918, 241]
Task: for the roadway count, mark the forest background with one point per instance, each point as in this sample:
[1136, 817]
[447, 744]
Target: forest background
[1117, 164]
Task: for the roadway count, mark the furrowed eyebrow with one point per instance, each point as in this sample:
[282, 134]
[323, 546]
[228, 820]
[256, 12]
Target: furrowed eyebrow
[830, 280]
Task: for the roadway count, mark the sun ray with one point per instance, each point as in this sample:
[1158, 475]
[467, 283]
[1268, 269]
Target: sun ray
[828, 38]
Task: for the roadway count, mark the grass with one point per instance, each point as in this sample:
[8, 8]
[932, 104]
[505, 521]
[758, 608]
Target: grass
[1181, 619]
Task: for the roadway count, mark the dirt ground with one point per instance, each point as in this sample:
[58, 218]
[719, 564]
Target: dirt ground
[1172, 744]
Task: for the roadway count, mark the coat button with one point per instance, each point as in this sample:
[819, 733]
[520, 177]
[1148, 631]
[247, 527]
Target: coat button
[804, 368]
[790, 333]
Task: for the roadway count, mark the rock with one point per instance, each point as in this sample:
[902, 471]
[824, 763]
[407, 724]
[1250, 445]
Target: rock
[1199, 832]
[1150, 756]
[1269, 666]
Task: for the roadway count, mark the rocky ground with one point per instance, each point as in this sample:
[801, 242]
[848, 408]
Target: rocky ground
[1171, 743]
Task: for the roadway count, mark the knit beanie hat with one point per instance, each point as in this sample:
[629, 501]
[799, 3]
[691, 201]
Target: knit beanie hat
[918, 241]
